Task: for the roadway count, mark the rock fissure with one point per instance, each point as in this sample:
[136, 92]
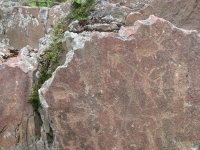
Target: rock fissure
[3, 129]
[195, 8]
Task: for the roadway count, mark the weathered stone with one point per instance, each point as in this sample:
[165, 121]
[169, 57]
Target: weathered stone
[139, 15]
[4, 52]
[128, 92]
[134, 4]
[75, 27]
[23, 22]
[28, 23]
[16, 114]
[107, 13]
[55, 13]
[132, 17]
[103, 27]
[138, 89]
[182, 13]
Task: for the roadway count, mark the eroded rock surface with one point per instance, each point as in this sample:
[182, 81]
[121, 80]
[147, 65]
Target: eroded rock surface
[182, 13]
[22, 25]
[17, 120]
[125, 84]
[134, 90]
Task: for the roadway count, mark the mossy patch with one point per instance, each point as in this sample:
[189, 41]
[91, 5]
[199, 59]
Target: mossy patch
[48, 62]
[42, 3]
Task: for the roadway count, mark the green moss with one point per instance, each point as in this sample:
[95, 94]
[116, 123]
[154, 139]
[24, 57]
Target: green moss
[49, 61]
[42, 3]
[34, 98]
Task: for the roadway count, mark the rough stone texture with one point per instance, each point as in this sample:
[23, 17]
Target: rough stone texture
[135, 90]
[182, 13]
[134, 4]
[139, 15]
[107, 13]
[16, 115]
[56, 12]
[77, 27]
[21, 25]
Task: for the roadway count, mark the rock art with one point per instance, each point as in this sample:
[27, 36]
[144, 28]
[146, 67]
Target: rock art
[129, 80]
[134, 90]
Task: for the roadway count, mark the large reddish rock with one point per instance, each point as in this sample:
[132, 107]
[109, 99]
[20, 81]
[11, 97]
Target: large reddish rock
[22, 25]
[138, 89]
[17, 125]
[182, 13]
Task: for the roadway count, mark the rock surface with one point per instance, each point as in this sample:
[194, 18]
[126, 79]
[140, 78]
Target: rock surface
[134, 90]
[22, 25]
[17, 127]
[127, 83]
[182, 13]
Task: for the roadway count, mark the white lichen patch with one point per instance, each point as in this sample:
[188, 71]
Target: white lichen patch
[78, 40]
[22, 20]
[195, 147]
[7, 135]
[4, 42]
[43, 15]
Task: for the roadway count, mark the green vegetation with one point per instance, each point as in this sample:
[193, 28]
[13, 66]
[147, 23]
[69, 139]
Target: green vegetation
[43, 3]
[49, 61]
[81, 11]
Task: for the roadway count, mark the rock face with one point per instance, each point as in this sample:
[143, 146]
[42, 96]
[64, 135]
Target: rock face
[138, 89]
[129, 81]
[182, 13]
[17, 127]
[21, 25]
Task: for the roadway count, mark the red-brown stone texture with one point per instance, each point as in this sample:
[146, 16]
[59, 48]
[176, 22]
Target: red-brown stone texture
[17, 125]
[22, 25]
[14, 109]
[137, 90]
[182, 13]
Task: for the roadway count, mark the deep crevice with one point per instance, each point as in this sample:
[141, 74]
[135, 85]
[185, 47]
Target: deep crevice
[50, 137]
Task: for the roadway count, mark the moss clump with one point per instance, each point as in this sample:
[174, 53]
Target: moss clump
[49, 61]
[34, 98]
[43, 3]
